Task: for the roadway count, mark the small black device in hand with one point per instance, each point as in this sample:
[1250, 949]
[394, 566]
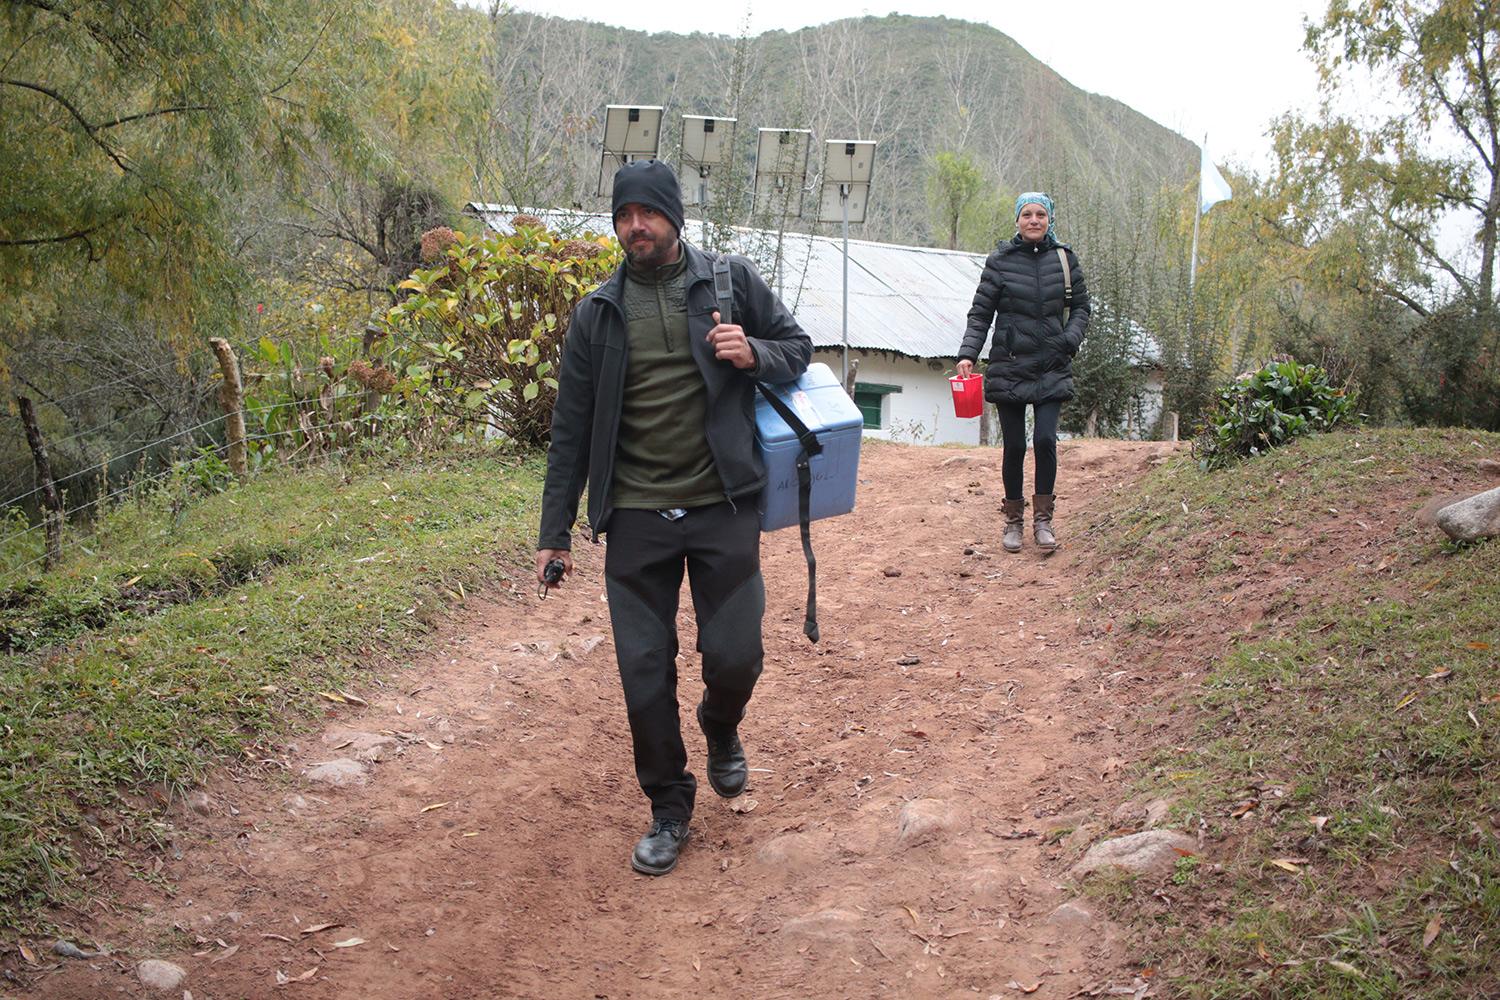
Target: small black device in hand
[552, 574]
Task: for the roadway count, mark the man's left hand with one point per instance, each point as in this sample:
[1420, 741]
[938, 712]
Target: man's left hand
[730, 344]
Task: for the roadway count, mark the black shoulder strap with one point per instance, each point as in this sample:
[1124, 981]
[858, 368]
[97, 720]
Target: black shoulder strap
[724, 292]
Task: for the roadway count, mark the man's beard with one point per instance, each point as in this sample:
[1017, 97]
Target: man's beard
[659, 253]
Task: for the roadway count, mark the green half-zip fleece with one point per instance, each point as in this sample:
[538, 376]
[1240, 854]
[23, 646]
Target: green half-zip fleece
[662, 459]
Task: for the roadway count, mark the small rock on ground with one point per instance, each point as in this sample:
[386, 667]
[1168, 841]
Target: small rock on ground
[1155, 851]
[1073, 913]
[341, 773]
[1145, 815]
[925, 819]
[362, 746]
[161, 976]
[1054, 827]
[793, 849]
[1473, 519]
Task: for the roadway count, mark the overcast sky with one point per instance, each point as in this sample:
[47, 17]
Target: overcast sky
[1178, 62]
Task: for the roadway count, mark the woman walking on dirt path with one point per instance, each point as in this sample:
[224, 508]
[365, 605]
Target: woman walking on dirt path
[1032, 291]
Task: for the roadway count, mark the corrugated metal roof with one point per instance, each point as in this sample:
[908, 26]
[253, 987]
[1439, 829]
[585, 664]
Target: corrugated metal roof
[908, 300]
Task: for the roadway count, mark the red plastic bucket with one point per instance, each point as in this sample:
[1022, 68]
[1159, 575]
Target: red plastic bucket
[968, 394]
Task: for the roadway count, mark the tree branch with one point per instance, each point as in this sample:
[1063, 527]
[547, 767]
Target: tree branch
[1486, 86]
[1456, 115]
[305, 57]
[50, 8]
[81, 234]
[83, 122]
[1391, 291]
[152, 114]
[1464, 284]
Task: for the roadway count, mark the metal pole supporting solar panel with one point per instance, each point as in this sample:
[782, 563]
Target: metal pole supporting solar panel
[848, 165]
[844, 201]
[707, 142]
[780, 172]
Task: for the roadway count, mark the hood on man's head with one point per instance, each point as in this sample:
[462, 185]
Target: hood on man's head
[651, 183]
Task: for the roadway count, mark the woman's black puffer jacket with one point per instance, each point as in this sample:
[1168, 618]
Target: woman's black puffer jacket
[1021, 292]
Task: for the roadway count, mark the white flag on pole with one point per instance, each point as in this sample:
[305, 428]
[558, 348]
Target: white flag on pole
[1212, 187]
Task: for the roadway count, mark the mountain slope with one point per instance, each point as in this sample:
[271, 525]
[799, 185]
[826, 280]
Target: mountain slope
[917, 85]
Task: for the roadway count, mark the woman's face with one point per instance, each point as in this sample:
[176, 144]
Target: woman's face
[1032, 222]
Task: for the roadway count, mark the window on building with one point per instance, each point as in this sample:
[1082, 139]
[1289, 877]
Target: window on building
[870, 398]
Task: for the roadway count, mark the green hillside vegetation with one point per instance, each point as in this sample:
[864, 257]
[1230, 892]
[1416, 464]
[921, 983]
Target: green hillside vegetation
[917, 85]
[1342, 755]
[191, 628]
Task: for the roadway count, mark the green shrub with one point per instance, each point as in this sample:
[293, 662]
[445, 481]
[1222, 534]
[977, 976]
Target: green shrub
[1266, 408]
[482, 329]
[206, 472]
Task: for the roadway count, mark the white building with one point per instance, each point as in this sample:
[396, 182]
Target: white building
[907, 311]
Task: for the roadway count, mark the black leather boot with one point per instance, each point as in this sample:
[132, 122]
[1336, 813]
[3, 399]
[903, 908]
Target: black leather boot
[727, 771]
[656, 852]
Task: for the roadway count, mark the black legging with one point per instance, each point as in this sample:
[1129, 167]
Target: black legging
[1044, 440]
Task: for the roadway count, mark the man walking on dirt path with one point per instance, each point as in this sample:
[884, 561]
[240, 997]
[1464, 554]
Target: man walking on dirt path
[655, 410]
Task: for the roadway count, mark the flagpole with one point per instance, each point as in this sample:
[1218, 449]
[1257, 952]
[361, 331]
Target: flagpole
[1193, 258]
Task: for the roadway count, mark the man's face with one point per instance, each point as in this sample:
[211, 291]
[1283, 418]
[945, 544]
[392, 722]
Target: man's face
[648, 236]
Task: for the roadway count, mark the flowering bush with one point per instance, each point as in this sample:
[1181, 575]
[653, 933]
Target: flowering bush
[481, 331]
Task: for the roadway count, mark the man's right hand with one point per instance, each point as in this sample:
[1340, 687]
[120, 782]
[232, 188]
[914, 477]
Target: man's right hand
[544, 556]
[965, 368]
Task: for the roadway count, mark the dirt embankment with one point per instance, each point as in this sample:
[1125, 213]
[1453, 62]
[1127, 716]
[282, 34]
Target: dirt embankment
[918, 778]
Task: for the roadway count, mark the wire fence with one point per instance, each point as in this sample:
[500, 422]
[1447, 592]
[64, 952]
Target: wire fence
[311, 429]
[295, 403]
[97, 466]
[140, 484]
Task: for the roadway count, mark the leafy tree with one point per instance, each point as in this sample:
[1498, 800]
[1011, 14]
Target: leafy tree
[953, 184]
[412, 75]
[1365, 203]
[1405, 172]
[127, 129]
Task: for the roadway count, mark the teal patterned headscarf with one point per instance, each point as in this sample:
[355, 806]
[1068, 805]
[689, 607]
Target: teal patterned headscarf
[1037, 198]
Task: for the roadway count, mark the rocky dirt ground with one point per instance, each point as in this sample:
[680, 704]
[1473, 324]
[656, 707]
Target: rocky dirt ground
[924, 781]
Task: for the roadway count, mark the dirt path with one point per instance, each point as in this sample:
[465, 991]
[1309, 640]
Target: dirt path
[907, 771]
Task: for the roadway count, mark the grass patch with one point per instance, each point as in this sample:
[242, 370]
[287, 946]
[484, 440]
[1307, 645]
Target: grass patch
[1364, 727]
[182, 636]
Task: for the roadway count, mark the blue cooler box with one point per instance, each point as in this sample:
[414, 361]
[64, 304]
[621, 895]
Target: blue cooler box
[819, 399]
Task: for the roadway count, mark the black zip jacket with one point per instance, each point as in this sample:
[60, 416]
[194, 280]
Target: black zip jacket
[1021, 292]
[591, 385]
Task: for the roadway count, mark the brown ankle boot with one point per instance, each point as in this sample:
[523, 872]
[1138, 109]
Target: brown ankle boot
[1041, 521]
[1015, 524]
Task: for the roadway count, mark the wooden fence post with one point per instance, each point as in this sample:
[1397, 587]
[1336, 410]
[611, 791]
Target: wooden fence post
[853, 374]
[370, 401]
[1172, 425]
[52, 511]
[232, 398]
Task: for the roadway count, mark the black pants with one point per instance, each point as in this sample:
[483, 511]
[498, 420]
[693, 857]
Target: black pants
[643, 564]
[1013, 453]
